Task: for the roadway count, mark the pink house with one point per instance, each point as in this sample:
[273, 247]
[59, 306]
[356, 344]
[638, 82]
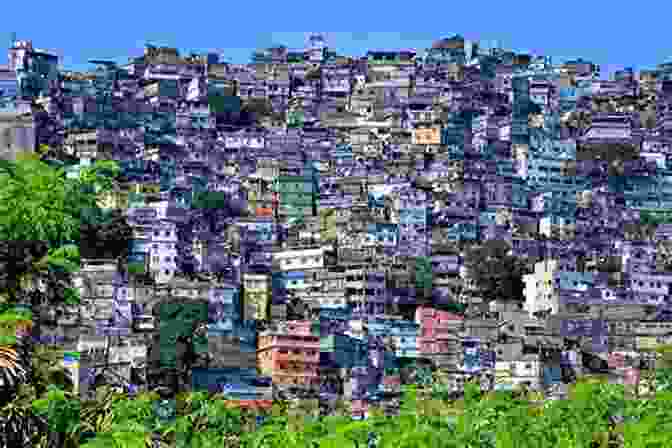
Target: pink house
[437, 328]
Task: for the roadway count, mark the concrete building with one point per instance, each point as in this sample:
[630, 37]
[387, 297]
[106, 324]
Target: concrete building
[17, 134]
[290, 354]
[257, 296]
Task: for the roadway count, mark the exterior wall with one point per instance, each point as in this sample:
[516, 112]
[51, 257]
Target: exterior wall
[225, 299]
[427, 136]
[290, 360]
[17, 134]
[163, 251]
[257, 296]
[299, 259]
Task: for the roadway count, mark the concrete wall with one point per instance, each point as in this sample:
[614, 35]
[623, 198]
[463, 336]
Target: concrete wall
[17, 134]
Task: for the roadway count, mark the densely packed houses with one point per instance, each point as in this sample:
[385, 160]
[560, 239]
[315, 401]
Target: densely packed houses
[313, 208]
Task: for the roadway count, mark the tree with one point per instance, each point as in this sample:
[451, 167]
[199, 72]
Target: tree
[101, 175]
[212, 207]
[495, 272]
[17, 257]
[105, 234]
[37, 203]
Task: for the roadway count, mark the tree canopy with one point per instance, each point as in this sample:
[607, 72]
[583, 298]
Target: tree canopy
[36, 203]
[41, 216]
[496, 273]
[39, 203]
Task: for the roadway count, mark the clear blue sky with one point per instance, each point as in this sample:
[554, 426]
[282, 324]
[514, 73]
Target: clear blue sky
[611, 34]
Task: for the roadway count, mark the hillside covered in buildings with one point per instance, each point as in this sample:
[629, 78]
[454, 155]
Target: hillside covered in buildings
[317, 225]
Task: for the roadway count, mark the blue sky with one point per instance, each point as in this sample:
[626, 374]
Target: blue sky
[612, 35]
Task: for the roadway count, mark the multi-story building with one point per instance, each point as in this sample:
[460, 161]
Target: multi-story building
[439, 337]
[224, 307]
[464, 145]
[297, 195]
[257, 296]
[540, 290]
[163, 251]
[290, 354]
[17, 134]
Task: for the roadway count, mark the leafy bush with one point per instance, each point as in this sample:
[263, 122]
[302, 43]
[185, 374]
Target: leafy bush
[595, 415]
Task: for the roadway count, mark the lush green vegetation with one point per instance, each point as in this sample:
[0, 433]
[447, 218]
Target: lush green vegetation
[596, 415]
[42, 214]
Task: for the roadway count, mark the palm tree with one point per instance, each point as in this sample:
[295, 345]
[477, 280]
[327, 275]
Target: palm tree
[26, 376]
[47, 369]
[14, 370]
[18, 425]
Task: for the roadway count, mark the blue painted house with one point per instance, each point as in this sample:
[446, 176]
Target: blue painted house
[386, 235]
[342, 155]
[223, 308]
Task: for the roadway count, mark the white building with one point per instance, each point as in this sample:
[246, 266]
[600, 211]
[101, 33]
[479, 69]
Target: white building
[540, 292]
[513, 373]
[299, 259]
[163, 251]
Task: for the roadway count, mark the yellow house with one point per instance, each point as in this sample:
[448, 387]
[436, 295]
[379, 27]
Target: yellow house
[147, 188]
[119, 197]
[257, 296]
[327, 224]
[427, 135]
[115, 199]
[647, 342]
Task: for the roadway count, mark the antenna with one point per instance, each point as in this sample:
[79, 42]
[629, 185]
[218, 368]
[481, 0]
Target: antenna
[12, 38]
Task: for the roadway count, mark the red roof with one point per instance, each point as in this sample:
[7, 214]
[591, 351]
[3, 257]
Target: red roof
[257, 404]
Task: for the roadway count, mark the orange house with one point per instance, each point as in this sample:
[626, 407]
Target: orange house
[264, 212]
[427, 135]
[290, 355]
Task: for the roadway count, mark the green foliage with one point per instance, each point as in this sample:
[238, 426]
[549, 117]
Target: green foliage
[43, 149]
[65, 258]
[47, 370]
[37, 203]
[209, 200]
[454, 307]
[71, 296]
[13, 315]
[9, 320]
[497, 420]
[100, 176]
[61, 410]
[495, 271]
